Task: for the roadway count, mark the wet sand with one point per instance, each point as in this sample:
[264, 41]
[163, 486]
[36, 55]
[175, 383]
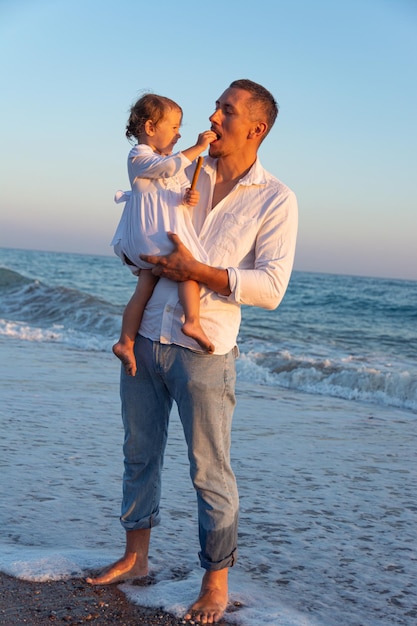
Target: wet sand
[73, 601]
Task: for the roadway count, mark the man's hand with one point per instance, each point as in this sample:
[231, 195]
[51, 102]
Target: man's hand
[180, 265]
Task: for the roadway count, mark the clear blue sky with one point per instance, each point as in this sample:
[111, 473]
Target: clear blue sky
[343, 73]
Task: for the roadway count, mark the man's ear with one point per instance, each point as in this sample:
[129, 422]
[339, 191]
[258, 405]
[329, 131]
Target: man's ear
[258, 131]
[149, 128]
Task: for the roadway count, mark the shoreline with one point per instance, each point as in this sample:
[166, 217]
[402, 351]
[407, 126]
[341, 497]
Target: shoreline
[73, 601]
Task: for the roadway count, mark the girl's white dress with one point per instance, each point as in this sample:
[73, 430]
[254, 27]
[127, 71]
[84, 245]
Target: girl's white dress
[153, 208]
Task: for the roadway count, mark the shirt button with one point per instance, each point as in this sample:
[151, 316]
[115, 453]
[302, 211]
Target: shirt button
[168, 308]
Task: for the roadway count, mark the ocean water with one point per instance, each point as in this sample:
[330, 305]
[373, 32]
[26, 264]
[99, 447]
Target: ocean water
[324, 445]
[341, 336]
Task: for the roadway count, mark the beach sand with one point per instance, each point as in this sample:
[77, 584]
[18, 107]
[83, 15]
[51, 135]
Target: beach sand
[73, 601]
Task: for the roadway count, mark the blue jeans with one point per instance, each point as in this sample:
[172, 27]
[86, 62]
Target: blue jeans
[203, 387]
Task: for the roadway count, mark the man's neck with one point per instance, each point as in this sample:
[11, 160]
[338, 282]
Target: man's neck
[231, 169]
[228, 174]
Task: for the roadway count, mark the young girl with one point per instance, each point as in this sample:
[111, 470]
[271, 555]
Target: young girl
[155, 206]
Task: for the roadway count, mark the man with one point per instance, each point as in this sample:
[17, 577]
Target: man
[247, 222]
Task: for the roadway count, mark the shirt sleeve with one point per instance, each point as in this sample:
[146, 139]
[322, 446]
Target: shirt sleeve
[265, 284]
[148, 164]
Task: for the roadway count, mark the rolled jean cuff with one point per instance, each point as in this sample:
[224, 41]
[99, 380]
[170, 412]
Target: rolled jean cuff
[147, 522]
[211, 567]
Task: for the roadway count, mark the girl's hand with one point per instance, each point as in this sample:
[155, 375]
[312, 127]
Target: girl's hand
[191, 197]
[205, 139]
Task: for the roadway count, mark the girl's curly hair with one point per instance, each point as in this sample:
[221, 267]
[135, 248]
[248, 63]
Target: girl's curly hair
[148, 107]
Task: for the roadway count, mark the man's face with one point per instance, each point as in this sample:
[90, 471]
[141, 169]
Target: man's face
[231, 122]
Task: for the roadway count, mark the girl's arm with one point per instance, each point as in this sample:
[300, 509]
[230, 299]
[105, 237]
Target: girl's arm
[145, 163]
[203, 142]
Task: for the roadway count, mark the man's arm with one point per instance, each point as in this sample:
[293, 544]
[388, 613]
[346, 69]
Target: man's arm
[180, 265]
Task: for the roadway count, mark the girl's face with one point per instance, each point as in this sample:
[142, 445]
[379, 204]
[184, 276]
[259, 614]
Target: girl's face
[166, 133]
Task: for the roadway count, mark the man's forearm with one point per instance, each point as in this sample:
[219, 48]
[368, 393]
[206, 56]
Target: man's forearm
[214, 278]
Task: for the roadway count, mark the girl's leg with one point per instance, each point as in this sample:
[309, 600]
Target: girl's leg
[132, 318]
[189, 294]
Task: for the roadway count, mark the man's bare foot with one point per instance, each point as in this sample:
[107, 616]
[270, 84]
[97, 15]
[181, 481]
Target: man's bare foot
[126, 568]
[211, 604]
[127, 357]
[195, 331]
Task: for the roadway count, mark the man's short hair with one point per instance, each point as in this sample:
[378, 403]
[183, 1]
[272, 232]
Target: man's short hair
[259, 97]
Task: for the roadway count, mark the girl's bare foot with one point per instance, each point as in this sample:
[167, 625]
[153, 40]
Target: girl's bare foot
[211, 604]
[195, 331]
[126, 568]
[127, 356]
